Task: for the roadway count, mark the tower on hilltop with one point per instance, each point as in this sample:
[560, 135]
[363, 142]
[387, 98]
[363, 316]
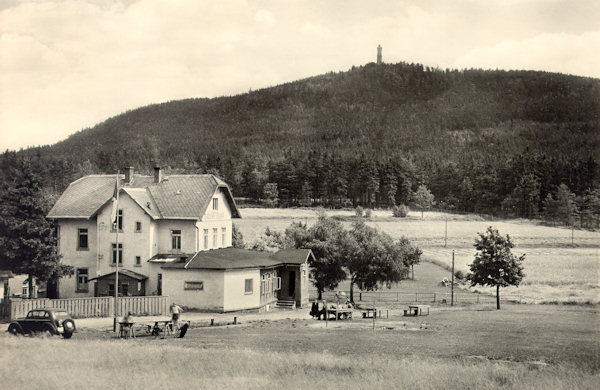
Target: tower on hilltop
[379, 54]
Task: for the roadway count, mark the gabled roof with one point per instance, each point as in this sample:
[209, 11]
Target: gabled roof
[175, 197]
[125, 272]
[234, 258]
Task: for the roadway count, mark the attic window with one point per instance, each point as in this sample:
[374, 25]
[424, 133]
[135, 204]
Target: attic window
[148, 205]
[178, 192]
[215, 203]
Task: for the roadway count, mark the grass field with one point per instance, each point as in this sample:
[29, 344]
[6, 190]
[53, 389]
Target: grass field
[555, 270]
[520, 347]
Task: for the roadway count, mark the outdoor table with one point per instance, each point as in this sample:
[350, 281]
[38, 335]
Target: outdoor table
[417, 310]
[344, 312]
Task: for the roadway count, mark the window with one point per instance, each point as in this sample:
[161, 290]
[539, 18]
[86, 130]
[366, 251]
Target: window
[277, 285]
[223, 235]
[82, 280]
[215, 237]
[248, 286]
[138, 261]
[82, 242]
[114, 254]
[119, 223]
[176, 239]
[111, 290]
[124, 289]
[205, 238]
[138, 227]
[215, 204]
[193, 286]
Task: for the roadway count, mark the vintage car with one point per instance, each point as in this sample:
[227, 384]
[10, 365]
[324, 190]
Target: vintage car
[48, 322]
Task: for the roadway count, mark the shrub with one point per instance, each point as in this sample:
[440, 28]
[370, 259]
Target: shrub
[459, 275]
[400, 211]
[368, 213]
[359, 212]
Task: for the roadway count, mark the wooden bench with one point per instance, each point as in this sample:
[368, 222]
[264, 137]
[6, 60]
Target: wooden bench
[369, 312]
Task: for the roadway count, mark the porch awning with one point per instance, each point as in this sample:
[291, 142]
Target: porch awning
[124, 272]
[169, 258]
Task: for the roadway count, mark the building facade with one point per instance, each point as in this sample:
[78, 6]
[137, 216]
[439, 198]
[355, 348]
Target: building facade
[171, 235]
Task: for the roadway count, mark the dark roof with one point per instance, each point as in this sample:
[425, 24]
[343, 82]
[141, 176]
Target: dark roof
[124, 271]
[175, 197]
[6, 274]
[234, 258]
[293, 256]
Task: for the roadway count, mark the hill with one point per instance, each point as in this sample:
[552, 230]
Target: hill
[367, 136]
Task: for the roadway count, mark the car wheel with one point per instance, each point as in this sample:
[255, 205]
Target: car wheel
[48, 332]
[14, 330]
[67, 335]
[69, 326]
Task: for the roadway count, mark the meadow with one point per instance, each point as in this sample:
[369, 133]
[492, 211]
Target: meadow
[521, 346]
[561, 265]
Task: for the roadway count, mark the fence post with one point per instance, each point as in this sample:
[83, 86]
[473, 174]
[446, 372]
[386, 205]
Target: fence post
[360, 296]
[433, 297]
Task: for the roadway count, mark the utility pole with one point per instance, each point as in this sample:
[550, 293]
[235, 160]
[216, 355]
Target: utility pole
[452, 288]
[115, 222]
[446, 233]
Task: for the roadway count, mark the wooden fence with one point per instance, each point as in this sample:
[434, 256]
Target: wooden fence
[390, 296]
[93, 307]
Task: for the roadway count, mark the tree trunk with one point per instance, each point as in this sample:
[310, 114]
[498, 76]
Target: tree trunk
[352, 290]
[412, 267]
[497, 297]
[320, 297]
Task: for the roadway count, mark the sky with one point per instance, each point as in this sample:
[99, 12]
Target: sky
[67, 65]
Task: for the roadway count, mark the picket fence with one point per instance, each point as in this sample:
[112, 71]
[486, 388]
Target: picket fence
[93, 307]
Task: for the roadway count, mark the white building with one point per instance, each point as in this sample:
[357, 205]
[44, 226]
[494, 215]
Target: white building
[164, 225]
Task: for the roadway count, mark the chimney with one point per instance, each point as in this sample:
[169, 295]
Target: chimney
[157, 175]
[128, 175]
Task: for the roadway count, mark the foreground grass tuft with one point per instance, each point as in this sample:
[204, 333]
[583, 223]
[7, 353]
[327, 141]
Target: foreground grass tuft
[93, 364]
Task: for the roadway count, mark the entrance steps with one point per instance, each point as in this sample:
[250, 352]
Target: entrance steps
[283, 304]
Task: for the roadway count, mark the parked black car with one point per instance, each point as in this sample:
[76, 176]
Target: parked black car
[46, 321]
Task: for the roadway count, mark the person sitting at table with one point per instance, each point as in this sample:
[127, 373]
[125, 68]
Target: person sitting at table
[127, 318]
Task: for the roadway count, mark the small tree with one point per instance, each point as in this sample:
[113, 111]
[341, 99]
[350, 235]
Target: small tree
[494, 264]
[270, 195]
[423, 198]
[400, 211]
[237, 239]
[372, 258]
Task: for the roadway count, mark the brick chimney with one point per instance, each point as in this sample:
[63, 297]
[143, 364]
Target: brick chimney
[157, 175]
[128, 175]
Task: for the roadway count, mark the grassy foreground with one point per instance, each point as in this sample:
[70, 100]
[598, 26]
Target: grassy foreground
[96, 364]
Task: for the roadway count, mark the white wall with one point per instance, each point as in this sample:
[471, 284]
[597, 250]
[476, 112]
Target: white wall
[210, 298]
[68, 240]
[234, 285]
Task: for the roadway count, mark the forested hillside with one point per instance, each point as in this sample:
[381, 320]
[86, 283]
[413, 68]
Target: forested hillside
[495, 142]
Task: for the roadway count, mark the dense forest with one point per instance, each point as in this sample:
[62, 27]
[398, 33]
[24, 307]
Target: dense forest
[510, 143]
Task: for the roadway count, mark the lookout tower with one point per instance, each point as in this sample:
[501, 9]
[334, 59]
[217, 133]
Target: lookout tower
[379, 54]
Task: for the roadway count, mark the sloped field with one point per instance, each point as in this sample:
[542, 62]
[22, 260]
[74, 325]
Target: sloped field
[561, 265]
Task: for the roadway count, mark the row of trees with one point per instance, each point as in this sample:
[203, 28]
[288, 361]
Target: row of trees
[365, 256]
